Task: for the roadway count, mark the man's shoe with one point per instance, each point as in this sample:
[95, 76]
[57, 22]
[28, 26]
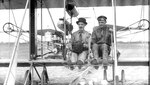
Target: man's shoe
[80, 66]
[96, 67]
[79, 63]
[94, 62]
[69, 62]
[71, 67]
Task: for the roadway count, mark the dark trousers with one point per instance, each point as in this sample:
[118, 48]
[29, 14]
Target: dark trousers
[101, 51]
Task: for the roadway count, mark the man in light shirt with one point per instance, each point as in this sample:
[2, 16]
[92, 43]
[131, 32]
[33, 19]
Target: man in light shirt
[80, 43]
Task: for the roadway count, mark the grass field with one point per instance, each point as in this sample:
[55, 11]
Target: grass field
[135, 75]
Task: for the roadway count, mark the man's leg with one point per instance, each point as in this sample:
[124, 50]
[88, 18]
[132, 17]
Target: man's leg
[105, 53]
[95, 61]
[95, 48]
[73, 59]
[81, 58]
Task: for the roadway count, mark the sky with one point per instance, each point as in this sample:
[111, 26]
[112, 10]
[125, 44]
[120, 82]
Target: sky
[125, 16]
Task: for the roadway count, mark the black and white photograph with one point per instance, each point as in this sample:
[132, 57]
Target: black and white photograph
[74, 42]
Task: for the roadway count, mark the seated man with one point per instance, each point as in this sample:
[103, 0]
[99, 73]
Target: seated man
[101, 41]
[80, 42]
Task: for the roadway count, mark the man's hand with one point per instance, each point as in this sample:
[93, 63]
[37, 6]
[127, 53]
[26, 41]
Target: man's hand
[85, 45]
[69, 46]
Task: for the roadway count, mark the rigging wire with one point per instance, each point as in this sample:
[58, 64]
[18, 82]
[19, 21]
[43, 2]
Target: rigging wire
[131, 33]
[14, 28]
[13, 58]
[44, 45]
[12, 14]
[128, 27]
[10, 10]
[41, 4]
[137, 28]
[141, 23]
[9, 35]
[94, 14]
[9, 28]
[12, 24]
[50, 15]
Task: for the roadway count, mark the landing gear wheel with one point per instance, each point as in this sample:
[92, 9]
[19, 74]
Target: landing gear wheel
[44, 78]
[27, 80]
[123, 77]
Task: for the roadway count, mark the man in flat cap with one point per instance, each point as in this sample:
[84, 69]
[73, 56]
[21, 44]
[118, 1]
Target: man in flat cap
[101, 41]
[80, 43]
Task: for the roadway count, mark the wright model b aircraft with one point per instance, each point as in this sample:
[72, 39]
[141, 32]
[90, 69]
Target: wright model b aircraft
[59, 38]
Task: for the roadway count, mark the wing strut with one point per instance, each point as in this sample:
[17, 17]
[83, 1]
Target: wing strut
[149, 40]
[32, 29]
[114, 43]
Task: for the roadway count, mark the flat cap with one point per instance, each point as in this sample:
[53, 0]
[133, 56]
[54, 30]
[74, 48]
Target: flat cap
[104, 17]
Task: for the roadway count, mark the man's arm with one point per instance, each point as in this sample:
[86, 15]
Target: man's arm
[72, 38]
[112, 35]
[93, 37]
[87, 40]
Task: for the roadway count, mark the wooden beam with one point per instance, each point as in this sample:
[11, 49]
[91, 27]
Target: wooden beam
[32, 28]
[60, 62]
[149, 41]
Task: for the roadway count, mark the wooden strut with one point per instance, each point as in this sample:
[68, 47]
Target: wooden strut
[26, 63]
[149, 40]
[114, 44]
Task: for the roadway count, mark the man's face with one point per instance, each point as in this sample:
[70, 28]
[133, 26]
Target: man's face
[81, 25]
[101, 21]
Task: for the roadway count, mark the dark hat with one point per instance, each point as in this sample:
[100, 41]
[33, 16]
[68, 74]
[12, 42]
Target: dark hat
[104, 17]
[81, 20]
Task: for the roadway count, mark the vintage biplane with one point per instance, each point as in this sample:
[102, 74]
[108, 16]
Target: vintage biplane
[69, 7]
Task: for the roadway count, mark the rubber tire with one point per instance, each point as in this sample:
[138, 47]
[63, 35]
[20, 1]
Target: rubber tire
[29, 78]
[44, 79]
